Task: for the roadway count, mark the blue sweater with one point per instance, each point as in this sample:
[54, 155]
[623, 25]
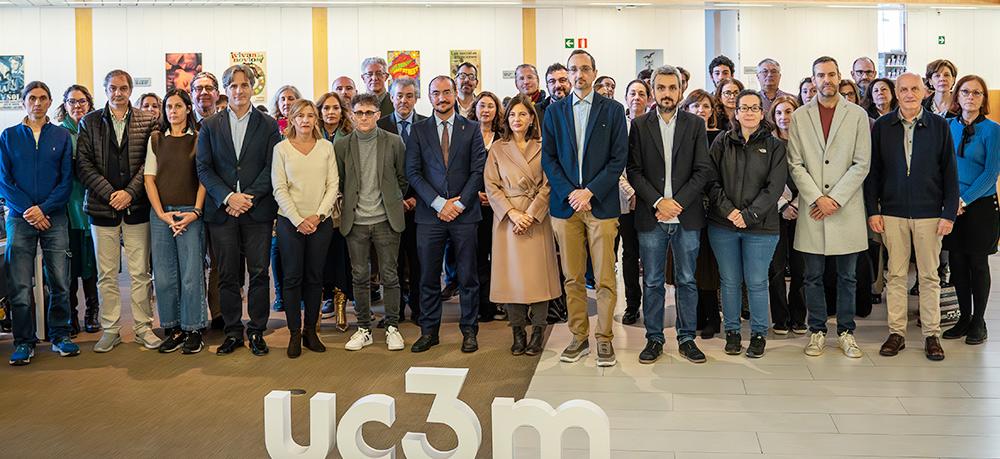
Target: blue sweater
[978, 168]
[36, 175]
[930, 188]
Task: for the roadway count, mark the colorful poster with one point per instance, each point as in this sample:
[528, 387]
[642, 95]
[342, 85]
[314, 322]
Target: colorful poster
[257, 61]
[181, 69]
[11, 81]
[404, 64]
[472, 56]
[648, 59]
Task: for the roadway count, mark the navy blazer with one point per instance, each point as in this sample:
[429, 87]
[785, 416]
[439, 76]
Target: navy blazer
[605, 153]
[218, 167]
[428, 176]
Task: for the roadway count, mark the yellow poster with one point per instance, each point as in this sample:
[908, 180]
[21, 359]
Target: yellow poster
[256, 60]
[405, 64]
[472, 56]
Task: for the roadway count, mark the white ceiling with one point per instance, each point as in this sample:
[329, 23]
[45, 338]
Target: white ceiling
[944, 4]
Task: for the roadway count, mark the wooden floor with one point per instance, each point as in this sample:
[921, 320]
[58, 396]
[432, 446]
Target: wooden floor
[785, 404]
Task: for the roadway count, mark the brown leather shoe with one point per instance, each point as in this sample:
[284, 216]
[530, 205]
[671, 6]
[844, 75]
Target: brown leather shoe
[933, 349]
[893, 345]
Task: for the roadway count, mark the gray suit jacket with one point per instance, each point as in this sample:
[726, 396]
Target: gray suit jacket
[391, 154]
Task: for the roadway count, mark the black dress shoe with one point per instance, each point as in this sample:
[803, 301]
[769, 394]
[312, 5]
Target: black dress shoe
[469, 343]
[424, 343]
[630, 317]
[257, 344]
[231, 344]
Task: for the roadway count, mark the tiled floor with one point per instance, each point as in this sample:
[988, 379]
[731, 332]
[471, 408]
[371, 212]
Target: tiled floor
[785, 405]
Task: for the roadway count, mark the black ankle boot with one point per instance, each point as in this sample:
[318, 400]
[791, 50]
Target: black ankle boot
[311, 340]
[91, 324]
[959, 329]
[294, 344]
[977, 332]
[519, 341]
[536, 342]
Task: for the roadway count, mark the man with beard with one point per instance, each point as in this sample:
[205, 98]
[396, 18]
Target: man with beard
[863, 72]
[669, 167]
[583, 163]
[720, 68]
[557, 81]
[345, 87]
[445, 157]
[829, 150]
[467, 78]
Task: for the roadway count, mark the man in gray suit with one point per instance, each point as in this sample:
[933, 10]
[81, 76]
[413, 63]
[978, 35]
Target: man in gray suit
[829, 150]
[371, 162]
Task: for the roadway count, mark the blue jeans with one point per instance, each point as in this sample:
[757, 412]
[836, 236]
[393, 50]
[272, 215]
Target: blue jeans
[653, 253]
[816, 295]
[179, 272]
[22, 239]
[743, 258]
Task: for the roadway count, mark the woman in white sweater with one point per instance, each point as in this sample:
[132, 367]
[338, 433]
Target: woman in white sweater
[305, 181]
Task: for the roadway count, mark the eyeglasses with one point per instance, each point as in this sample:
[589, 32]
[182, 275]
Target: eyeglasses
[582, 68]
[364, 113]
[848, 94]
[730, 93]
[379, 75]
[870, 73]
[445, 93]
[771, 72]
[966, 93]
[76, 101]
[204, 88]
[466, 76]
[750, 108]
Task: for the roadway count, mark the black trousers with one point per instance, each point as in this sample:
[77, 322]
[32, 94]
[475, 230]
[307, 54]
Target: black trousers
[787, 306]
[303, 281]
[970, 274]
[629, 240]
[409, 269]
[337, 270]
[484, 247]
[463, 237]
[234, 240]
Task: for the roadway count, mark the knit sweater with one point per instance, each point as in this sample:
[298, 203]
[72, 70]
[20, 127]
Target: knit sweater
[370, 209]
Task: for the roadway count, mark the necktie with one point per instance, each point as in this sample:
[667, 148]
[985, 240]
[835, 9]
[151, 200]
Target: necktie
[445, 143]
[404, 132]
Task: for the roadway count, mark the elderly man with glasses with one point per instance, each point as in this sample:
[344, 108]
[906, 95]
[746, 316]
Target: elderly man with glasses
[375, 74]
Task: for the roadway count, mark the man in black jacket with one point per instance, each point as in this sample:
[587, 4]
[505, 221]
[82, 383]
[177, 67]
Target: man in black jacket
[235, 148]
[912, 197]
[668, 167]
[111, 153]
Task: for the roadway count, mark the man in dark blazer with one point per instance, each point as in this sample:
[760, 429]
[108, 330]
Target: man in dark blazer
[234, 163]
[584, 151]
[669, 212]
[371, 162]
[445, 157]
[403, 92]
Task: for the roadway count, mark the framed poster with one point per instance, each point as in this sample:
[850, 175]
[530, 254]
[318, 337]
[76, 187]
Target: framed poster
[472, 56]
[181, 69]
[648, 59]
[257, 61]
[11, 81]
[405, 64]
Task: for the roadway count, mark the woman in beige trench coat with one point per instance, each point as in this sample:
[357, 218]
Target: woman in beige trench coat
[525, 271]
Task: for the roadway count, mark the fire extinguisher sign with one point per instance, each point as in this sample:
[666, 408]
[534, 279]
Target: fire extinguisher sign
[571, 43]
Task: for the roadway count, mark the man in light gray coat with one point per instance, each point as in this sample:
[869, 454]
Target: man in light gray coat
[829, 150]
[371, 161]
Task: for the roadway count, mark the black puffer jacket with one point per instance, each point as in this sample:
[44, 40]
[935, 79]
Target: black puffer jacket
[749, 176]
[96, 140]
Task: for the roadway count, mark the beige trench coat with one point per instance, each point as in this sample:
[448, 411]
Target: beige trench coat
[835, 167]
[525, 268]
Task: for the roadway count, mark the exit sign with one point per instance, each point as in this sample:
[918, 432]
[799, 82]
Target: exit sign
[940, 39]
[570, 43]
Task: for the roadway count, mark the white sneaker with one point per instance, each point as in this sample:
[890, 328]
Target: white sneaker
[361, 338]
[394, 339]
[107, 342]
[148, 339]
[849, 345]
[816, 343]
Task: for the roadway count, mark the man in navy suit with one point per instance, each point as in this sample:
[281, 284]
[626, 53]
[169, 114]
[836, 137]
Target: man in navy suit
[445, 157]
[584, 151]
[235, 148]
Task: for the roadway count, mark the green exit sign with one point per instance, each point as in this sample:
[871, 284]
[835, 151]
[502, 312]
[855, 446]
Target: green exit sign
[569, 43]
[940, 39]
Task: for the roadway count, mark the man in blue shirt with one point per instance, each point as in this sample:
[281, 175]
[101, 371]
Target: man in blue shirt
[36, 173]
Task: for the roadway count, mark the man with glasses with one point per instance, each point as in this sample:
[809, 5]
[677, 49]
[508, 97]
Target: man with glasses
[557, 81]
[205, 95]
[584, 151]
[111, 153]
[720, 68]
[863, 72]
[371, 162]
[467, 78]
[769, 77]
[445, 157]
[829, 149]
[375, 72]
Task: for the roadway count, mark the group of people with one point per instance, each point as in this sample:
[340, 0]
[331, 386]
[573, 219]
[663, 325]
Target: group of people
[521, 202]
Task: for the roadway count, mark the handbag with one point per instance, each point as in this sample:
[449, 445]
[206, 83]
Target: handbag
[950, 312]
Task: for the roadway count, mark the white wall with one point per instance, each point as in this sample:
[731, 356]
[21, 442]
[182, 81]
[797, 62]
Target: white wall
[357, 33]
[797, 36]
[136, 39]
[614, 36]
[971, 41]
[46, 38]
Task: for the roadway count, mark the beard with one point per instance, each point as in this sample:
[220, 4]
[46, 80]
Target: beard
[666, 106]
